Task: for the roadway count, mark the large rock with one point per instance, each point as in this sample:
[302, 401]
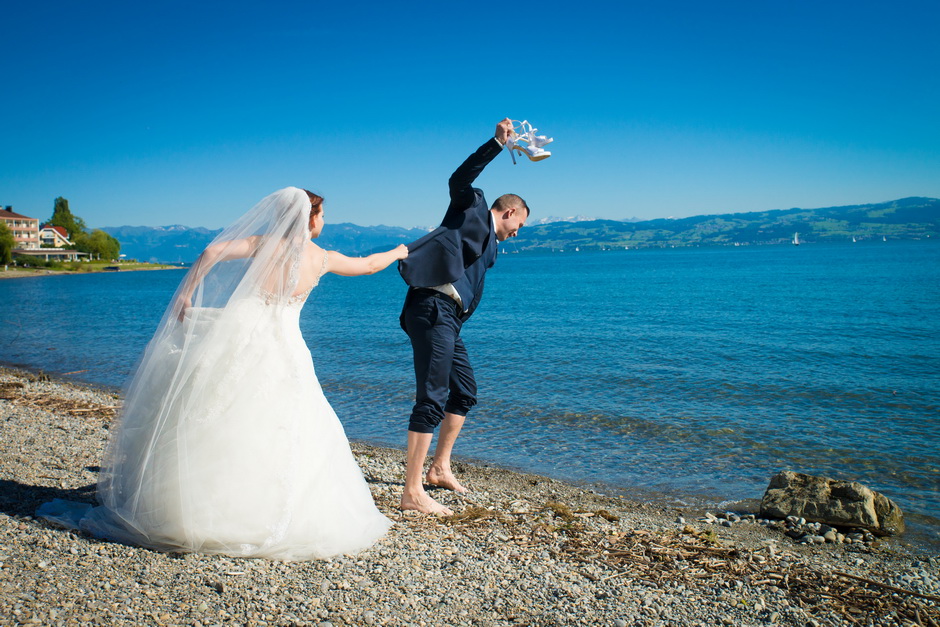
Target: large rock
[831, 501]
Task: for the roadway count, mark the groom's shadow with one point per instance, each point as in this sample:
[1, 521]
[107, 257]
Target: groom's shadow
[20, 499]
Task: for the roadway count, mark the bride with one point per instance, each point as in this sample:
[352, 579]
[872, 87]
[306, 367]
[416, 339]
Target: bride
[226, 443]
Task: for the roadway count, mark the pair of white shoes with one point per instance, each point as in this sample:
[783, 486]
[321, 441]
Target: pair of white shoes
[533, 146]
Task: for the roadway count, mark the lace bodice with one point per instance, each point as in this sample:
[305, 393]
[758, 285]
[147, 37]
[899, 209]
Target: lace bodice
[269, 298]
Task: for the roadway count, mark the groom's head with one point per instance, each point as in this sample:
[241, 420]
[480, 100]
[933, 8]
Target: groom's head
[510, 213]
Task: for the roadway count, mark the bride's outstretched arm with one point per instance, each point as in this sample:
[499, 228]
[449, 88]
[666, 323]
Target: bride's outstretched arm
[223, 251]
[355, 266]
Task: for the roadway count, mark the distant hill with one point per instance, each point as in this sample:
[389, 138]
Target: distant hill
[908, 218]
[162, 244]
[182, 244]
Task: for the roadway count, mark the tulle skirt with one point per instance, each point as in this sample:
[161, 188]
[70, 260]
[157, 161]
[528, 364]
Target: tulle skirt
[237, 452]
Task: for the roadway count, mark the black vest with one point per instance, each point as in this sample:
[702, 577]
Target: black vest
[470, 285]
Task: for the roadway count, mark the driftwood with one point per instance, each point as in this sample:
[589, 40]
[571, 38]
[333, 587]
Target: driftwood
[14, 392]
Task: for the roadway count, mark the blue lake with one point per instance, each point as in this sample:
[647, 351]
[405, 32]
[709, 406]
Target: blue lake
[683, 376]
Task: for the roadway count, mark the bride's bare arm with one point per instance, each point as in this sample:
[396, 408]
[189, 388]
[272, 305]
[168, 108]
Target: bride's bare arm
[223, 251]
[356, 266]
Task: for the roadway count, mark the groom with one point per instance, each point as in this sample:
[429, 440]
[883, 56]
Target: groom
[445, 271]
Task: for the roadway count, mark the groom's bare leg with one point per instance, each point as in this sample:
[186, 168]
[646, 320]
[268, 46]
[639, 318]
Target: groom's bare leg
[414, 497]
[439, 474]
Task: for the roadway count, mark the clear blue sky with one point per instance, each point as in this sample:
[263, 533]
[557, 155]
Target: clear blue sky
[188, 113]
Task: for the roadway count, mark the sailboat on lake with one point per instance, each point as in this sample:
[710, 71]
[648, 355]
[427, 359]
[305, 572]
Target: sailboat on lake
[796, 239]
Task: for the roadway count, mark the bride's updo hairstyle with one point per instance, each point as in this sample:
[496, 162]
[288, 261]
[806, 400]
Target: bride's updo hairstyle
[316, 203]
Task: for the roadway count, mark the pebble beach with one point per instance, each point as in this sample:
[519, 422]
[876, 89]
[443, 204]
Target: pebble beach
[520, 550]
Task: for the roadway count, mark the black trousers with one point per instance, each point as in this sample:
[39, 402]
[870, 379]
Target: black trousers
[444, 380]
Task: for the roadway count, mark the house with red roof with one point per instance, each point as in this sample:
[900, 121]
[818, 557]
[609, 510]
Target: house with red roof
[53, 236]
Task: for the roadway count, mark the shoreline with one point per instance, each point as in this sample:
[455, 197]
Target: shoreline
[521, 550]
[922, 535]
[39, 272]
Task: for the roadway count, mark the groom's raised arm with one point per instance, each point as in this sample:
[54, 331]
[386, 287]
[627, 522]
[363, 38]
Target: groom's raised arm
[461, 181]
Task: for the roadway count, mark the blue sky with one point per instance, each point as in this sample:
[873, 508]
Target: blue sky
[188, 113]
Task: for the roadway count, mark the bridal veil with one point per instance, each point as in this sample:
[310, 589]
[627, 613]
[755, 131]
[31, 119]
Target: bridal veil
[226, 443]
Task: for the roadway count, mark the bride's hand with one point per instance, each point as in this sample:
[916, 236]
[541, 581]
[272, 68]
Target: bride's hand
[184, 305]
[401, 251]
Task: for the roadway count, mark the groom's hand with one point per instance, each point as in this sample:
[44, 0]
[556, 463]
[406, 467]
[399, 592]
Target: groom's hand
[503, 131]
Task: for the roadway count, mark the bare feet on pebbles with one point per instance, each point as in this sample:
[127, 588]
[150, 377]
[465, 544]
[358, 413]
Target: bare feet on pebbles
[444, 478]
[421, 502]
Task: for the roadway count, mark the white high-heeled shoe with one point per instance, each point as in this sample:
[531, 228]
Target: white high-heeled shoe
[533, 144]
[534, 153]
[539, 141]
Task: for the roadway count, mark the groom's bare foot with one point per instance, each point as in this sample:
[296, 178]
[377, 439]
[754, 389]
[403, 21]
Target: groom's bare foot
[444, 478]
[421, 502]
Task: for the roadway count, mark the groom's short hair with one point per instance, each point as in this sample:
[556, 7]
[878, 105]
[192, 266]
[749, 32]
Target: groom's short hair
[507, 201]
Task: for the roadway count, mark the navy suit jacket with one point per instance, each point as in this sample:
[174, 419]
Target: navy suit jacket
[466, 234]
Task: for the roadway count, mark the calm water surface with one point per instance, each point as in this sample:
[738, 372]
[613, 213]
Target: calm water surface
[685, 375]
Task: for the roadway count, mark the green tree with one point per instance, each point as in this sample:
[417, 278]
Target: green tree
[98, 244]
[7, 244]
[61, 216]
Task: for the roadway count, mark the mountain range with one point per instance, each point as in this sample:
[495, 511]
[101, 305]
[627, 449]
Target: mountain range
[907, 218]
[182, 244]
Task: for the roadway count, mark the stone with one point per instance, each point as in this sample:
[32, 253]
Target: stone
[890, 516]
[831, 501]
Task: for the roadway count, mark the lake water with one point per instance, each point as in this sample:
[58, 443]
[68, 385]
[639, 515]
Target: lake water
[683, 376]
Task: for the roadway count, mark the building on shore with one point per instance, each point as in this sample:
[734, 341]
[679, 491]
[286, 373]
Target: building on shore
[25, 229]
[53, 236]
[52, 254]
[47, 243]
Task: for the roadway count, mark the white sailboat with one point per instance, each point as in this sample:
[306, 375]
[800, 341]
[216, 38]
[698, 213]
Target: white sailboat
[796, 239]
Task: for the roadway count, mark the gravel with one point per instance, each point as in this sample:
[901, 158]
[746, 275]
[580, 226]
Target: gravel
[521, 550]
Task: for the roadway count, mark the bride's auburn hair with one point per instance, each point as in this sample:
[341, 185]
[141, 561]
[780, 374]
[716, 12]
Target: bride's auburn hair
[316, 203]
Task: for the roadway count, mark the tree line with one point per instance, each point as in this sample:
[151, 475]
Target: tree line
[97, 243]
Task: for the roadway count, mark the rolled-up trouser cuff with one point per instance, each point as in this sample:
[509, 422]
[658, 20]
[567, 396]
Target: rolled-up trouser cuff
[459, 408]
[420, 427]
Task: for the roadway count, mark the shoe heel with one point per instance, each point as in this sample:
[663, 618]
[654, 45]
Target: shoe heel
[535, 154]
[510, 144]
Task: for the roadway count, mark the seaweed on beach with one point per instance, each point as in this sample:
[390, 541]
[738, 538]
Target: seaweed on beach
[16, 393]
[475, 514]
[561, 511]
[694, 558]
[856, 599]
[699, 559]
[10, 390]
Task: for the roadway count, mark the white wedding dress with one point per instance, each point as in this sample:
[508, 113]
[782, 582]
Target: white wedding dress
[228, 445]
